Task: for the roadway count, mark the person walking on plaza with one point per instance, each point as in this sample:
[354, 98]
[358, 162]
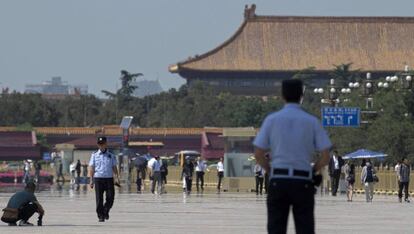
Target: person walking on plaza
[397, 168]
[291, 135]
[72, 169]
[200, 170]
[38, 168]
[335, 164]
[187, 174]
[59, 172]
[397, 173]
[141, 164]
[367, 179]
[26, 171]
[220, 174]
[21, 206]
[259, 175]
[78, 169]
[103, 172]
[84, 169]
[403, 180]
[349, 169]
[164, 174]
[156, 175]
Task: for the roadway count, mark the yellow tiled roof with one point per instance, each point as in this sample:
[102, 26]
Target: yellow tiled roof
[173, 131]
[66, 130]
[116, 130]
[292, 43]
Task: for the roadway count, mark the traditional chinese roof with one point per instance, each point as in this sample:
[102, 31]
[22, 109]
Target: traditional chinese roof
[66, 130]
[292, 43]
[89, 142]
[212, 145]
[19, 145]
[18, 139]
[110, 130]
[145, 143]
[173, 131]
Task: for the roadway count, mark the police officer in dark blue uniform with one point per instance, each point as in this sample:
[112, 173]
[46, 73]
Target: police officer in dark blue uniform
[102, 169]
[292, 136]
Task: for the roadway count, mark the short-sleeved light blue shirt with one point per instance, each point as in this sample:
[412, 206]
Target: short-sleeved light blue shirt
[292, 136]
[103, 164]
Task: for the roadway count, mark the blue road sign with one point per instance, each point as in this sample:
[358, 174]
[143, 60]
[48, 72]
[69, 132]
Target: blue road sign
[47, 156]
[340, 116]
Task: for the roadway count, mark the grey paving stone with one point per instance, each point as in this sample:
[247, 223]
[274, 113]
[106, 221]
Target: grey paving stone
[73, 212]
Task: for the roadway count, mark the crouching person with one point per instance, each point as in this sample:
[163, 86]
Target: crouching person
[22, 205]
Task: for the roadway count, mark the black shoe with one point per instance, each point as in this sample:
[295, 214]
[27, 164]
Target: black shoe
[12, 224]
[101, 219]
[106, 216]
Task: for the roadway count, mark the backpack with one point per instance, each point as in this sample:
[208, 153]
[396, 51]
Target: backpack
[370, 176]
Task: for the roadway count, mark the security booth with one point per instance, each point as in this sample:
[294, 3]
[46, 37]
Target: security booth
[66, 155]
[179, 157]
[124, 155]
[145, 147]
[238, 149]
[238, 163]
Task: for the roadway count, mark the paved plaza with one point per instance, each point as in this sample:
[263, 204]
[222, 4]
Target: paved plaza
[69, 211]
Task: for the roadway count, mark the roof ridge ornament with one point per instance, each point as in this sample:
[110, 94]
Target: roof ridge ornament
[249, 12]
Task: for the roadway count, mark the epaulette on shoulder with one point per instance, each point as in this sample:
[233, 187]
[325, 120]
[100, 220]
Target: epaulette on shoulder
[110, 153]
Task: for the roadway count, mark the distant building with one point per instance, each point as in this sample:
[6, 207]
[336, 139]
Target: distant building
[56, 87]
[267, 49]
[19, 145]
[147, 87]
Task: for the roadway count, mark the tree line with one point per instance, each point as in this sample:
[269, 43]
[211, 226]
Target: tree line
[197, 106]
[390, 129]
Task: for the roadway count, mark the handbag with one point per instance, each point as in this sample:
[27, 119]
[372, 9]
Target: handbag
[10, 215]
[350, 179]
[375, 178]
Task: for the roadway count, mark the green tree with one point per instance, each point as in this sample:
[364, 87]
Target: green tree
[127, 88]
[343, 74]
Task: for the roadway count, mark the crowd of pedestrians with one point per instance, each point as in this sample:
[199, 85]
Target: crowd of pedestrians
[338, 168]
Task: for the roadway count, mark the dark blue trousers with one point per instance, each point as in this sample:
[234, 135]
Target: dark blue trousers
[286, 193]
[104, 185]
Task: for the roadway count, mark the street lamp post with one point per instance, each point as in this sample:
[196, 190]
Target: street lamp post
[402, 81]
[369, 86]
[406, 79]
[332, 93]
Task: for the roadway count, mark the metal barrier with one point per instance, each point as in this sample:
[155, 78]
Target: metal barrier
[387, 180]
[234, 184]
[387, 184]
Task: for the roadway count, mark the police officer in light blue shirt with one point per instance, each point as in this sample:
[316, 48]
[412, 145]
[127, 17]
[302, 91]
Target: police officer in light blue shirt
[292, 136]
[102, 169]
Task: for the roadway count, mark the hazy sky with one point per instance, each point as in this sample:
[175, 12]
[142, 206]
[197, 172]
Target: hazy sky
[90, 41]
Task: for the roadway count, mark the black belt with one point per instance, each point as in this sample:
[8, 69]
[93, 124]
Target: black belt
[279, 171]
